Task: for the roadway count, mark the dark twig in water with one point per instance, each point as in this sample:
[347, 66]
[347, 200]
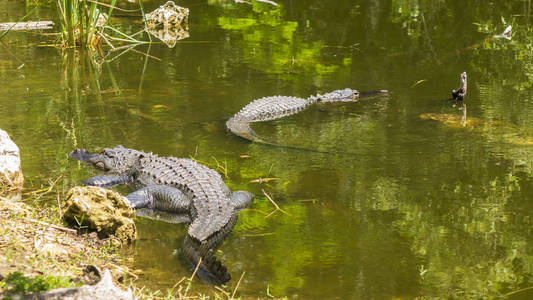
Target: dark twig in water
[461, 91]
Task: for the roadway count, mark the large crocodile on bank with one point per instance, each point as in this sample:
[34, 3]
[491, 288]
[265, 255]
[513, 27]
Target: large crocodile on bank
[169, 184]
[276, 107]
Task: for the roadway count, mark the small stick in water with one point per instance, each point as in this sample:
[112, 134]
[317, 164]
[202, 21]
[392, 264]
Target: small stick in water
[461, 92]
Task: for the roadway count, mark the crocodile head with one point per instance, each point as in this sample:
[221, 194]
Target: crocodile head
[118, 160]
[241, 199]
[344, 95]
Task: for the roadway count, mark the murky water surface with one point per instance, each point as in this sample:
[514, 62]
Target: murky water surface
[405, 202]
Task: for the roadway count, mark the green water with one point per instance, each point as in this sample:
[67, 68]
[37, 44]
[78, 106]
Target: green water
[400, 207]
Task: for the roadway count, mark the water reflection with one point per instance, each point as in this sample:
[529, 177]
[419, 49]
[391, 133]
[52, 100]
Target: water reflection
[200, 255]
[170, 36]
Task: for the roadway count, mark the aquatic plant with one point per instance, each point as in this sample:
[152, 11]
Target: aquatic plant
[79, 21]
[84, 24]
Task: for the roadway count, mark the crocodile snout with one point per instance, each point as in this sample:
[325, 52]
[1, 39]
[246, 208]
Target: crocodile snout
[80, 154]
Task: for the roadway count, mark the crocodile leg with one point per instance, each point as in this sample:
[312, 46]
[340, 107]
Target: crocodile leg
[107, 180]
[160, 197]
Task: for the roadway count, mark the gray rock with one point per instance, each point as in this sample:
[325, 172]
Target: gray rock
[10, 170]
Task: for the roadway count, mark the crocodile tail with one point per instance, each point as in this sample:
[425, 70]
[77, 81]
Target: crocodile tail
[210, 270]
[242, 128]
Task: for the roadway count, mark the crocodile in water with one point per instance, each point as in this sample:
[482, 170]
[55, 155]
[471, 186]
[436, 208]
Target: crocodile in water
[276, 107]
[169, 184]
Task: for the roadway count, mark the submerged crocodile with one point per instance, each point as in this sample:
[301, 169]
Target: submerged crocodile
[276, 107]
[169, 184]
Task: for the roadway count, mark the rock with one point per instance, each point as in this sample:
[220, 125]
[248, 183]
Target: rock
[91, 274]
[10, 171]
[168, 15]
[169, 36]
[105, 289]
[105, 211]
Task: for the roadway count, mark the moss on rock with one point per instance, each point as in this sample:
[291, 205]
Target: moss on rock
[105, 211]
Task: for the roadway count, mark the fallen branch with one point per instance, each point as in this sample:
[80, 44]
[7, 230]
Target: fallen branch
[26, 25]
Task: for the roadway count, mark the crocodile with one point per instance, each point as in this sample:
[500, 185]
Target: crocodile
[276, 107]
[170, 184]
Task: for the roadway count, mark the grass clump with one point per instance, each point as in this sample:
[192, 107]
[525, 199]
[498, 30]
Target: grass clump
[80, 21]
[17, 283]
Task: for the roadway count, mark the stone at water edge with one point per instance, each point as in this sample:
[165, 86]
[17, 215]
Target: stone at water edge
[103, 290]
[103, 210]
[168, 15]
[10, 170]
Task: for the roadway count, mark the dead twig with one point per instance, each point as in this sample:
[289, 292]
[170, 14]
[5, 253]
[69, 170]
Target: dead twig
[259, 234]
[176, 285]
[59, 207]
[275, 205]
[121, 269]
[48, 189]
[192, 277]
[53, 226]
[237, 286]
[263, 180]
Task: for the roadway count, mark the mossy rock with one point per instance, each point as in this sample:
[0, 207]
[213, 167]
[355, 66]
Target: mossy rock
[102, 210]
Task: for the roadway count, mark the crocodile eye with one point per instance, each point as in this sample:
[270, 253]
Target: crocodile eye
[100, 165]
